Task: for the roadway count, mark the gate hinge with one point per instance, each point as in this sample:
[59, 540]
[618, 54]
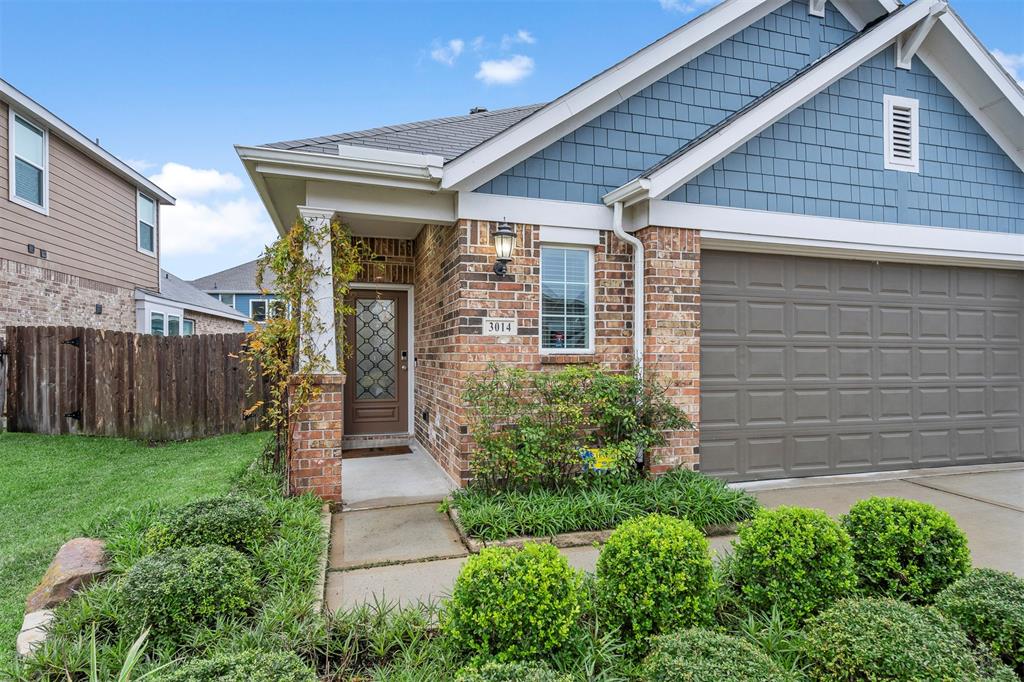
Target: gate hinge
[76, 342]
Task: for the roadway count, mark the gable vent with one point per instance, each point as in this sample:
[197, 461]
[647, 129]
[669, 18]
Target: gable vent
[901, 134]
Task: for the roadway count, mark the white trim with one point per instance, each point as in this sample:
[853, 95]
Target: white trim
[148, 297]
[602, 92]
[891, 162]
[12, 115]
[816, 8]
[188, 320]
[351, 163]
[138, 225]
[907, 46]
[746, 125]
[266, 309]
[17, 99]
[744, 229]
[569, 235]
[526, 211]
[591, 285]
[410, 342]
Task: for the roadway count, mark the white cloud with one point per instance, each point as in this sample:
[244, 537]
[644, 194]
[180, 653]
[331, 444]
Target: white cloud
[140, 165]
[449, 52]
[1013, 63]
[477, 44]
[184, 181]
[521, 36]
[505, 71]
[686, 6]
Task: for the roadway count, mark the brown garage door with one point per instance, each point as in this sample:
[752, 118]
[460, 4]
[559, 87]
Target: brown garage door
[817, 366]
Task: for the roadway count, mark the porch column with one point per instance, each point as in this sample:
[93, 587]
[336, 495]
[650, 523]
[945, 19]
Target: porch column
[314, 448]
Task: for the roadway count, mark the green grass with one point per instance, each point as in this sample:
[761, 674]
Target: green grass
[601, 505]
[54, 487]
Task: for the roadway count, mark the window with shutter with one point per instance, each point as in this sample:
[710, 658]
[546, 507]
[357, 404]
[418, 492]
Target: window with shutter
[901, 134]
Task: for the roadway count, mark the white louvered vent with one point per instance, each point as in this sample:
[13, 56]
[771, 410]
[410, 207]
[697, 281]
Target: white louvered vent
[901, 134]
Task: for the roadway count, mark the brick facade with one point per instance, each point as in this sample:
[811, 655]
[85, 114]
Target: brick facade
[212, 324]
[314, 443]
[33, 295]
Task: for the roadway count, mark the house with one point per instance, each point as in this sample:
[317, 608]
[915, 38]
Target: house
[79, 228]
[180, 309]
[236, 287]
[806, 215]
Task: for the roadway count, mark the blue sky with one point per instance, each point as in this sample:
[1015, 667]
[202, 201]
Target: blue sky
[180, 82]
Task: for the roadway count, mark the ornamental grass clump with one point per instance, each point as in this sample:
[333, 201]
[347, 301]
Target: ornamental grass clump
[905, 549]
[796, 560]
[989, 606]
[513, 603]
[697, 655]
[653, 576]
[516, 671]
[232, 521]
[246, 666]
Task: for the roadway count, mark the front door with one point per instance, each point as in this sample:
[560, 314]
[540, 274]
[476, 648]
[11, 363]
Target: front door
[377, 363]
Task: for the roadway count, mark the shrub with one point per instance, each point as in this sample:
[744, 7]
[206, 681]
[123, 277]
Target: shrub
[905, 549]
[175, 590]
[654, 576]
[232, 521]
[885, 639]
[509, 672]
[797, 560]
[513, 603]
[246, 666]
[989, 606]
[703, 656]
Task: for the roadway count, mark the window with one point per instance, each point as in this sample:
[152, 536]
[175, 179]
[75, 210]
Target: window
[901, 134]
[28, 159]
[147, 224]
[188, 327]
[156, 324]
[566, 308]
[173, 325]
[258, 310]
[278, 309]
[226, 299]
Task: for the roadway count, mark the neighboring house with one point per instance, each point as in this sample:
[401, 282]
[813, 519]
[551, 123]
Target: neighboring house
[813, 210]
[180, 309]
[79, 228]
[237, 288]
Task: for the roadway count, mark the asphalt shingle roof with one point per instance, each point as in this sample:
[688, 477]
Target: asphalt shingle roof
[175, 289]
[240, 279]
[447, 137]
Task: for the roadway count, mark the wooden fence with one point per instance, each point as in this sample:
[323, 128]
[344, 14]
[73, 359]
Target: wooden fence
[3, 381]
[104, 383]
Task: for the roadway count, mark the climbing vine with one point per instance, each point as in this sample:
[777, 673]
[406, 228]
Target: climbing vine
[272, 350]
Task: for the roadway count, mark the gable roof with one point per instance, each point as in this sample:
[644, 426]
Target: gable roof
[447, 137]
[241, 279]
[177, 290]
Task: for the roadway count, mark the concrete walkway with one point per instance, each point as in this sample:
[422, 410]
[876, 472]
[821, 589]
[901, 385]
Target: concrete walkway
[412, 553]
[391, 480]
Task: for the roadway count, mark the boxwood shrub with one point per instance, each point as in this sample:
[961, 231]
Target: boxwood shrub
[233, 521]
[885, 639]
[905, 549]
[246, 666]
[655, 575]
[989, 606]
[797, 560]
[515, 671]
[513, 603]
[702, 656]
[175, 590]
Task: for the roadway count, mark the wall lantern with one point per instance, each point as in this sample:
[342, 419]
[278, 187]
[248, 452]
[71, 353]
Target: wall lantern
[504, 241]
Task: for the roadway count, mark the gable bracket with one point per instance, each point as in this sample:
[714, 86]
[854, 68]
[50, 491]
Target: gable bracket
[907, 45]
[816, 8]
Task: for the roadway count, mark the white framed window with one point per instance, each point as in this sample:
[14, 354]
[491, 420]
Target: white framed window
[173, 325]
[188, 327]
[165, 324]
[147, 227]
[226, 299]
[156, 324]
[902, 138]
[278, 308]
[258, 310]
[29, 163]
[567, 299]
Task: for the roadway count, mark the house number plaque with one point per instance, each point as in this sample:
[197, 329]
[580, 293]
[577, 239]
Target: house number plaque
[500, 327]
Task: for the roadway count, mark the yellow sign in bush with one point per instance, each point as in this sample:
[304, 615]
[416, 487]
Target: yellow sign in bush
[597, 458]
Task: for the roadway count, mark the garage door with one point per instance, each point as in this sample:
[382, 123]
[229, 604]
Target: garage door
[816, 366]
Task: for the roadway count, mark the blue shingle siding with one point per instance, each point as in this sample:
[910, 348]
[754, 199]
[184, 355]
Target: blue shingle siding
[826, 159]
[618, 145]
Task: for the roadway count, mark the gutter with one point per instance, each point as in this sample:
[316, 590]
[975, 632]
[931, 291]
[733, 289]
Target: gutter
[638, 285]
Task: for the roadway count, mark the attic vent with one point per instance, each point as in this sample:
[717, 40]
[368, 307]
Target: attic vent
[478, 110]
[901, 134]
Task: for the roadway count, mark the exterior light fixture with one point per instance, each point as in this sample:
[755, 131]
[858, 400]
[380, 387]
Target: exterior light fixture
[504, 241]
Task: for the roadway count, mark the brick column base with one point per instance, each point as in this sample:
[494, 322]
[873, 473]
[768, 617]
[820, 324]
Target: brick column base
[672, 329]
[314, 441]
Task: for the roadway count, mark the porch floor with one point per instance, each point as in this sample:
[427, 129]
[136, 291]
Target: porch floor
[393, 480]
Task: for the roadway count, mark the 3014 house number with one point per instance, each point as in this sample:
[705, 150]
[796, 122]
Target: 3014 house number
[500, 327]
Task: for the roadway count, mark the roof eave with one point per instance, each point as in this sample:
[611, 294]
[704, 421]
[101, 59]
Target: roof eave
[142, 295]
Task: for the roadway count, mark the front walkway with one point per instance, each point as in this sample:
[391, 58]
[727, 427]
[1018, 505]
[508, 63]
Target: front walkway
[393, 480]
[412, 553]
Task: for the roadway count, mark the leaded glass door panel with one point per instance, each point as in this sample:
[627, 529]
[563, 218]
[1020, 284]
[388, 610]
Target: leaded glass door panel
[377, 364]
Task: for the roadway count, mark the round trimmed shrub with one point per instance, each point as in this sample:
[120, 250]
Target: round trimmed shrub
[513, 603]
[797, 560]
[513, 671]
[885, 639]
[232, 521]
[655, 575]
[989, 606]
[703, 656]
[175, 590]
[905, 549]
[245, 666]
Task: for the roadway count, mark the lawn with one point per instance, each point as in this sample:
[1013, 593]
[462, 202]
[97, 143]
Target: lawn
[55, 486]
